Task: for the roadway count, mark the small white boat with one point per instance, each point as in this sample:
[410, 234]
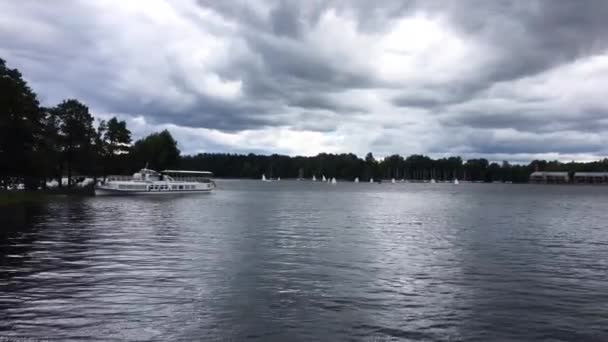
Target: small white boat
[324, 179]
[456, 181]
[333, 180]
[314, 178]
[150, 182]
[264, 179]
[393, 180]
[356, 179]
[371, 180]
[433, 181]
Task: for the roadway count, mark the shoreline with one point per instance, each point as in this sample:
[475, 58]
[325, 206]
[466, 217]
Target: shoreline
[12, 197]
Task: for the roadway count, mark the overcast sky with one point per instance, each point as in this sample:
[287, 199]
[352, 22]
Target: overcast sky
[511, 80]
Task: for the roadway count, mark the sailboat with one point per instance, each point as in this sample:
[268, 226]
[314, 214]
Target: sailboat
[371, 180]
[324, 179]
[333, 180]
[456, 181]
[393, 180]
[433, 181]
[314, 178]
[356, 179]
[264, 179]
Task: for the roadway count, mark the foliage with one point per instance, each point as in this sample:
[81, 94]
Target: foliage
[76, 135]
[114, 140]
[349, 166]
[20, 127]
[158, 151]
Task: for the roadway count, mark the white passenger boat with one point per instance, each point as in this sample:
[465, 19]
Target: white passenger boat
[150, 182]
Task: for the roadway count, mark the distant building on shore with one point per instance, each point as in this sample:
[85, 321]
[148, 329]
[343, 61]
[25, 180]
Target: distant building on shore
[591, 178]
[549, 177]
[541, 177]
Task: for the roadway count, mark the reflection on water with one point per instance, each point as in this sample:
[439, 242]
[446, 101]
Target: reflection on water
[308, 261]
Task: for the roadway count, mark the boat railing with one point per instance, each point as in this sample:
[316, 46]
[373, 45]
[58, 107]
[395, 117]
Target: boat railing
[191, 179]
[169, 178]
[118, 178]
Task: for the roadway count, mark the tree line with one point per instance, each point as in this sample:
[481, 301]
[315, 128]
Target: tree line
[348, 166]
[39, 143]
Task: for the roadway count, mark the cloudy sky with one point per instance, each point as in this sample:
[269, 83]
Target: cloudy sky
[511, 80]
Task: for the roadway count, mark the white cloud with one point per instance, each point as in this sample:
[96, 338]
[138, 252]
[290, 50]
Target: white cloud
[482, 80]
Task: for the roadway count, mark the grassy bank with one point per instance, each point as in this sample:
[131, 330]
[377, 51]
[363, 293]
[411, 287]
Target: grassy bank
[11, 197]
[16, 197]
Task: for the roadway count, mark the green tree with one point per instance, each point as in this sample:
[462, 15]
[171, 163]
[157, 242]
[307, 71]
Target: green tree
[476, 169]
[117, 136]
[77, 136]
[158, 150]
[20, 127]
[371, 165]
[114, 141]
[392, 166]
[49, 154]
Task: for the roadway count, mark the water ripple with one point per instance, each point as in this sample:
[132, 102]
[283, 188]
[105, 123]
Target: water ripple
[302, 261]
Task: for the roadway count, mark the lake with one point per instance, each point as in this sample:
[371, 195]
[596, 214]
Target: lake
[305, 261]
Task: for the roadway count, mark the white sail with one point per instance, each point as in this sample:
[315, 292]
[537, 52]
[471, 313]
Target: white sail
[324, 179]
[356, 179]
[393, 180]
[456, 181]
[278, 178]
[264, 177]
[333, 180]
[314, 178]
[371, 180]
[433, 181]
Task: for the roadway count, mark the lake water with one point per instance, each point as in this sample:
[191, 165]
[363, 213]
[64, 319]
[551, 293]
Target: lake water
[303, 261]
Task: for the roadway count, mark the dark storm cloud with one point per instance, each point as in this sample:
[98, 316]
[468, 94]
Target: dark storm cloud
[207, 112]
[294, 66]
[529, 120]
[527, 38]
[428, 97]
[536, 145]
[480, 142]
[323, 102]
[286, 79]
[533, 36]
[416, 101]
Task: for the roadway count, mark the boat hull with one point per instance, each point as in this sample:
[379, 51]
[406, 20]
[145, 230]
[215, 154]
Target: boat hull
[100, 191]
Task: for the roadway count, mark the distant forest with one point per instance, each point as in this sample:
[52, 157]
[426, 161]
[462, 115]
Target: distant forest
[38, 144]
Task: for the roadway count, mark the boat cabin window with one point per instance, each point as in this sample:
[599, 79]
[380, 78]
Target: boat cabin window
[188, 176]
[181, 187]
